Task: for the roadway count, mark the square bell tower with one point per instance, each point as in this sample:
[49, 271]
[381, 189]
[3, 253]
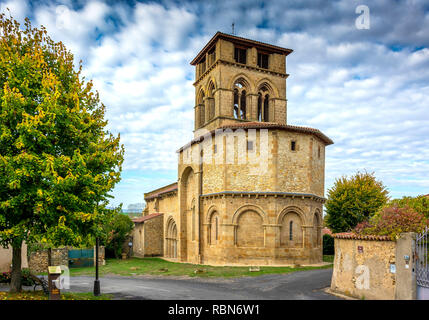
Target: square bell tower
[239, 80]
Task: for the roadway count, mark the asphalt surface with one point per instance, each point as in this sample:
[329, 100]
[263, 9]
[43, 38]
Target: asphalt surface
[302, 285]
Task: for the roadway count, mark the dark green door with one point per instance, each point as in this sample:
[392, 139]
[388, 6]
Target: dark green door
[81, 258]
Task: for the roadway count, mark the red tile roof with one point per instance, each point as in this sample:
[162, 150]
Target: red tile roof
[148, 217]
[326, 231]
[258, 44]
[263, 125]
[353, 236]
[273, 125]
[169, 188]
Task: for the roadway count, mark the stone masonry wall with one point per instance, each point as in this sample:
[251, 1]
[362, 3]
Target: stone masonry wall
[38, 260]
[374, 269]
[154, 237]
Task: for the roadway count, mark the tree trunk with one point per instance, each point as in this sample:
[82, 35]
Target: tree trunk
[15, 283]
[49, 257]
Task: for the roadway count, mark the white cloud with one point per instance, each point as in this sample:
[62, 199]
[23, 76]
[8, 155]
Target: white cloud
[17, 8]
[366, 89]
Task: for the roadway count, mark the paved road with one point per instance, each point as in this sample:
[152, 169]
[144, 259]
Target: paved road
[307, 285]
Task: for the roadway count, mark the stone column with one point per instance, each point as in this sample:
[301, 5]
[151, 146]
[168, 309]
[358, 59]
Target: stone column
[252, 107]
[405, 273]
[196, 117]
[307, 236]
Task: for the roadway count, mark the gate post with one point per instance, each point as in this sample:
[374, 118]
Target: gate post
[405, 267]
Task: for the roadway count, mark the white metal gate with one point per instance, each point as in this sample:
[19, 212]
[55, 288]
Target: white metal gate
[422, 265]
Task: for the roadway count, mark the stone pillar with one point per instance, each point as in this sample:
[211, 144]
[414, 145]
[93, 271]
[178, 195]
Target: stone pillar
[206, 109]
[307, 239]
[271, 231]
[252, 57]
[252, 107]
[405, 273]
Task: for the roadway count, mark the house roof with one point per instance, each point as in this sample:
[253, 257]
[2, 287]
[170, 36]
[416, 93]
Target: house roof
[157, 192]
[242, 41]
[148, 217]
[326, 231]
[263, 125]
[354, 236]
[273, 125]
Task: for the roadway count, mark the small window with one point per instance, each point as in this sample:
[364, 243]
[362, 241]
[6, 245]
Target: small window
[291, 230]
[240, 55]
[249, 145]
[263, 60]
[318, 152]
[215, 148]
[293, 145]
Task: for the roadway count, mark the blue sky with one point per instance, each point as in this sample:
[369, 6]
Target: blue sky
[368, 90]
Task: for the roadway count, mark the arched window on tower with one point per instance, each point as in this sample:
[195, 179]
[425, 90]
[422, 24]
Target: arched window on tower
[202, 109]
[211, 100]
[291, 230]
[263, 104]
[239, 106]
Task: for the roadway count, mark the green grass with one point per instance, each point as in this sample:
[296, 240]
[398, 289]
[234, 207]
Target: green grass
[157, 266]
[39, 295]
[328, 258]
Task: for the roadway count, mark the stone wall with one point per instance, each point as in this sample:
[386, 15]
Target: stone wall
[154, 237]
[234, 168]
[101, 255]
[38, 260]
[373, 267]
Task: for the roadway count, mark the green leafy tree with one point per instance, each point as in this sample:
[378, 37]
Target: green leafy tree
[57, 161]
[354, 200]
[420, 204]
[117, 231]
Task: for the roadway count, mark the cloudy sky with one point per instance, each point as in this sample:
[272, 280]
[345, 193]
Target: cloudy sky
[367, 89]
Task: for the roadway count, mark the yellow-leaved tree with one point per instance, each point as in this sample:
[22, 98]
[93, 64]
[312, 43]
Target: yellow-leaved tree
[58, 163]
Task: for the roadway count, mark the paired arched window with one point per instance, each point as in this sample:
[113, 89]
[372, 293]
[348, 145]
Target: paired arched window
[201, 109]
[263, 104]
[240, 100]
[211, 100]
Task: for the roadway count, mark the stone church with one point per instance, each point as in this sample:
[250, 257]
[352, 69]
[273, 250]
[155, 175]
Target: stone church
[250, 188]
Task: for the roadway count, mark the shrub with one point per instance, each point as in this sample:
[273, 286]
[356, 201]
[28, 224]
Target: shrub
[26, 280]
[419, 204]
[392, 221]
[328, 244]
[118, 230]
[354, 200]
